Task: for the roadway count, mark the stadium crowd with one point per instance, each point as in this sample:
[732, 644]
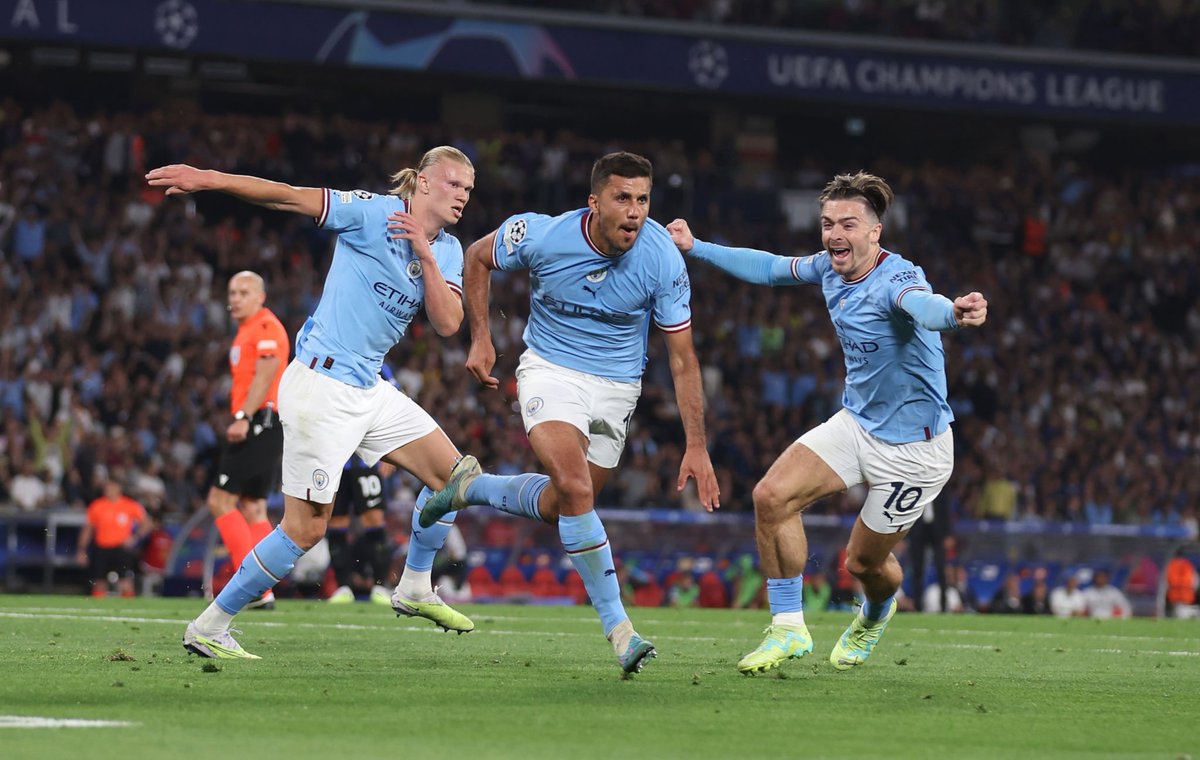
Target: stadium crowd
[1078, 402]
[1151, 27]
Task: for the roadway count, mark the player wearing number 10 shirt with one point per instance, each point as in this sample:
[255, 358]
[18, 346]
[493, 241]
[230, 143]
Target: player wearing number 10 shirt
[893, 432]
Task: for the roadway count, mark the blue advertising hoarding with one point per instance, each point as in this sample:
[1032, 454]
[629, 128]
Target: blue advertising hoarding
[636, 57]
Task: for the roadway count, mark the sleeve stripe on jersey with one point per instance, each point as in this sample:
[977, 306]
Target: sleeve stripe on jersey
[267, 345]
[907, 290]
[320, 220]
[795, 272]
[680, 327]
[495, 261]
[457, 290]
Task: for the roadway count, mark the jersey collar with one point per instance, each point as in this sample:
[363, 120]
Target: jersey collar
[583, 225]
[878, 260]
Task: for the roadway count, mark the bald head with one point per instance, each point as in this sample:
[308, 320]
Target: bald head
[247, 295]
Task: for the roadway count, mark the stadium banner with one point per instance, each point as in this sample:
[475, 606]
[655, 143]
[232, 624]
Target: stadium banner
[283, 31]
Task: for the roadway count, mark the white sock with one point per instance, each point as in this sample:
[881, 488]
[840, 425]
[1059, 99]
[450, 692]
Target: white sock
[788, 618]
[621, 635]
[213, 620]
[416, 584]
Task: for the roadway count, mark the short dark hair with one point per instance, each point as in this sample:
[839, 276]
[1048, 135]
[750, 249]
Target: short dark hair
[621, 164]
[874, 191]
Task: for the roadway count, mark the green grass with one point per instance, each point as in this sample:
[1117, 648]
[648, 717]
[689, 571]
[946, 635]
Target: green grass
[351, 682]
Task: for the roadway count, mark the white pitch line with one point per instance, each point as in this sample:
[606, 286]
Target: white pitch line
[35, 721]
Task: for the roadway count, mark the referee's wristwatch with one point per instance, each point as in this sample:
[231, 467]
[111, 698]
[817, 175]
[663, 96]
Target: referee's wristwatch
[240, 414]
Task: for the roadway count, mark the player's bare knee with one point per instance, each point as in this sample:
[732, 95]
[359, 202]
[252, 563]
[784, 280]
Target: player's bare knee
[860, 569]
[771, 503]
[574, 495]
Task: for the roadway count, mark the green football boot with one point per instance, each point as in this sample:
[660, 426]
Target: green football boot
[783, 642]
[855, 645]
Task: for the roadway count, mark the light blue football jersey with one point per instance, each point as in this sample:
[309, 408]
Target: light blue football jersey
[374, 289]
[895, 368]
[588, 311]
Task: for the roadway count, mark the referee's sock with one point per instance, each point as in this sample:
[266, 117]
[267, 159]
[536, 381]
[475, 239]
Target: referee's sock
[235, 534]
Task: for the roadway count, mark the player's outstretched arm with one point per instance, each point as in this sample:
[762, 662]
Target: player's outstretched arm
[747, 264]
[477, 280]
[689, 395]
[180, 179]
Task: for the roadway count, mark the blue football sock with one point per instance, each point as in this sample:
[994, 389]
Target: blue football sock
[786, 594]
[586, 543]
[876, 610]
[515, 494]
[425, 542]
[265, 565]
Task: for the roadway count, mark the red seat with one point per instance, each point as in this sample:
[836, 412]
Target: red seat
[512, 582]
[482, 582]
[712, 591]
[649, 595]
[575, 588]
[545, 584]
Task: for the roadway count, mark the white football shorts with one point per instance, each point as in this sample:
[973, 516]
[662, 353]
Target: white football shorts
[901, 478]
[599, 407]
[325, 421]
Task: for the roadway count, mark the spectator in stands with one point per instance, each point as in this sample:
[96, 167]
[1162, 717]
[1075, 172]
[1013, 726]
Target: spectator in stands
[747, 583]
[1036, 601]
[939, 599]
[817, 591]
[1104, 600]
[29, 489]
[683, 591]
[1068, 600]
[1007, 599]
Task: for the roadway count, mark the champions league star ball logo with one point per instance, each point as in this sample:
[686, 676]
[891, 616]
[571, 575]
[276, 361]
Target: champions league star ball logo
[708, 63]
[177, 23]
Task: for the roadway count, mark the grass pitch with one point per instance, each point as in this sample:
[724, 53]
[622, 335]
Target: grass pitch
[540, 682]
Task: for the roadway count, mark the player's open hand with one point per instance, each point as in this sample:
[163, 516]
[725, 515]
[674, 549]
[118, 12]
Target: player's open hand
[970, 310]
[179, 179]
[696, 464]
[681, 235]
[480, 360]
[404, 226]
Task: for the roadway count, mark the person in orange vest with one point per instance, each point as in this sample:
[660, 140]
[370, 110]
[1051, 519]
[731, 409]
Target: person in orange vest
[1181, 584]
[115, 525]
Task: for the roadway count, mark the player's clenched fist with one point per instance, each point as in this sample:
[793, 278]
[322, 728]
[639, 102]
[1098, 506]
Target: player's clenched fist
[970, 310]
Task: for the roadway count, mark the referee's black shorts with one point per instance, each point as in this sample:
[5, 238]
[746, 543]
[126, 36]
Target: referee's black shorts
[362, 489]
[252, 468]
[111, 559]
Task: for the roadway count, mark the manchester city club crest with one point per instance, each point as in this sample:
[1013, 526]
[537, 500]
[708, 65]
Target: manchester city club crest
[598, 275]
[320, 479]
[534, 406]
[414, 270]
